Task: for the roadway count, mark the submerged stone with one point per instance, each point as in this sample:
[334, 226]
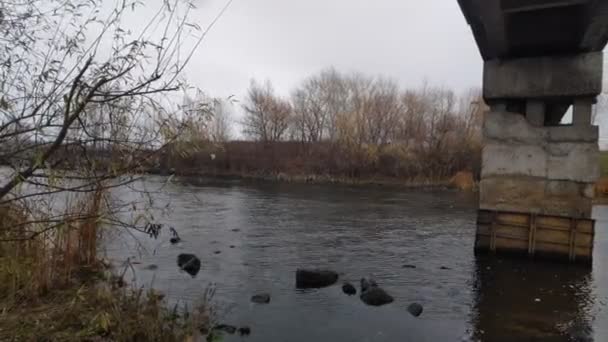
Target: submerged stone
[415, 309]
[349, 289]
[315, 278]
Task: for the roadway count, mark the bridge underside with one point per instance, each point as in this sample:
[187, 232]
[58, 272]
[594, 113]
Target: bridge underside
[541, 57]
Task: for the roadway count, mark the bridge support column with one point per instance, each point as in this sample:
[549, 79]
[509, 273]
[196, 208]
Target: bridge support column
[537, 180]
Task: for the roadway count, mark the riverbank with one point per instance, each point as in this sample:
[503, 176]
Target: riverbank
[93, 308]
[461, 181]
[54, 287]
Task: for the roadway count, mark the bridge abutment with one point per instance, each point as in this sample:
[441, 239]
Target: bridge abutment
[532, 165]
[541, 57]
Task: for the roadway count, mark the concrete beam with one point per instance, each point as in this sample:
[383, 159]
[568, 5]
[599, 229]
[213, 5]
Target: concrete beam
[495, 28]
[570, 133]
[544, 77]
[596, 34]
[531, 28]
[516, 6]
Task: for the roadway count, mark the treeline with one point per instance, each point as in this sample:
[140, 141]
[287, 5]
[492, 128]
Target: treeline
[347, 125]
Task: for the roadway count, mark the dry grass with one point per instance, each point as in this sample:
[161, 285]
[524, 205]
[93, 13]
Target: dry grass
[53, 288]
[398, 163]
[604, 163]
[36, 259]
[95, 312]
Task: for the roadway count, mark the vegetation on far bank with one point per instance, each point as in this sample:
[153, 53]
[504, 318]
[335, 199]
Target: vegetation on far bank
[604, 163]
[341, 126]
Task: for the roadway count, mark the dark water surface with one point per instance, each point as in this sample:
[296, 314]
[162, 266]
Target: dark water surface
[360, 231]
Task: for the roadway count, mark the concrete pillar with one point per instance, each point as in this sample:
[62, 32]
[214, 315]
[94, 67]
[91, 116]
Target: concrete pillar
[521, 162]
[581, 115]
[537, 180]
[535, 112]
[498, 106]
[535, 170]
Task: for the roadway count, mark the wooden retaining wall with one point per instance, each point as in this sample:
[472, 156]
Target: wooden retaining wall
[535, 235]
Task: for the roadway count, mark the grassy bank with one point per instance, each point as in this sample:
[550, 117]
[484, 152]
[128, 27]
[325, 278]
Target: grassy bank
[92, 309]
[318, 179]
[393, 165]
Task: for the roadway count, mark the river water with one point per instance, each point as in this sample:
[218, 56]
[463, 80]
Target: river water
[263, 232]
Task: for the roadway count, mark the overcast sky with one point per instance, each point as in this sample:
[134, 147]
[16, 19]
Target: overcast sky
[286, 40]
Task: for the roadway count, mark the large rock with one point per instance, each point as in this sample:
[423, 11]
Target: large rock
[372, 294]
[189, 263]
[376, 296]
[315, 278]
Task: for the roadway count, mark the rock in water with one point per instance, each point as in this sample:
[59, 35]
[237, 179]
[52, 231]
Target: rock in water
[415, 309]
[376, 296]
[151, 267]
[189, 263]
[244, 331]
[263, 298]
[225, 328]
[367, 284]
[349, 289]
[306, 279]
[174, 240]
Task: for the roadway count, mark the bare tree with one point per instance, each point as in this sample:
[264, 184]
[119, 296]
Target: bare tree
[221, 121]
[317, 102]
[384, 110]
[267, 116]
[85, 100]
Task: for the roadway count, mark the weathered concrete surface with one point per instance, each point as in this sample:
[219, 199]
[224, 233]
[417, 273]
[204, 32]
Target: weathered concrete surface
[536, 195]
[545, 170]
[567, 134]
[514, 193]
[512, 127]
[578, 162]
[542, 77]
[535, 112]
[514, 160]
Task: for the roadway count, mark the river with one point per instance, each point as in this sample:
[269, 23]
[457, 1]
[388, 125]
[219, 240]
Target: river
[251, 237]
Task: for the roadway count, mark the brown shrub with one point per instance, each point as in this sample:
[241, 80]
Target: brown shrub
[463, 180]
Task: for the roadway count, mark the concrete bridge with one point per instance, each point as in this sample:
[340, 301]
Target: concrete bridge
[541, 58]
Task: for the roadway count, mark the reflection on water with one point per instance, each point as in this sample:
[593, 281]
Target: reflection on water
[418, 245]
[519, 300]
